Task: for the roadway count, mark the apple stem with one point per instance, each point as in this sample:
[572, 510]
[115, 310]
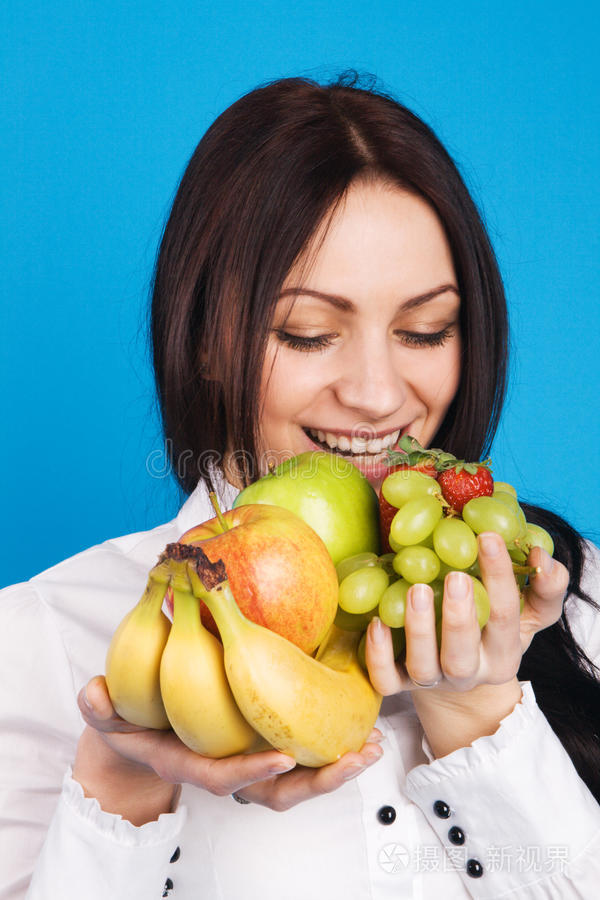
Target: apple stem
[217, 509]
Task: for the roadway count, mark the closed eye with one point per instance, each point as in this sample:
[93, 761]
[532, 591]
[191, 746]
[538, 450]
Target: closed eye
[426, 339]
[299, 342]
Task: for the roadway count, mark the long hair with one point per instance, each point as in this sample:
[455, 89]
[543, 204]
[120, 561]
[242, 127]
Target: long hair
[263, 178]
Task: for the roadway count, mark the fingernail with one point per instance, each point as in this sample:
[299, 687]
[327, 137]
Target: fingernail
[457, 585]
[377, 633]
[547, 562]
[490, 544]
[419, 597]
[375, 735]
[86, 700]
[353, 771]
[373, 755]
[283, 766]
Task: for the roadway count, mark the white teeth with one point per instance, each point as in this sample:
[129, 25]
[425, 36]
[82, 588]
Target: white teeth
[356, 445]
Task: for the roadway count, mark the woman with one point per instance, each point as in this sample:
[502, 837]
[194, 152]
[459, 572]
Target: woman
[324, 279]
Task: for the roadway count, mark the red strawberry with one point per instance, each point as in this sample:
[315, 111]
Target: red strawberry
[464, 481]
[387, 511]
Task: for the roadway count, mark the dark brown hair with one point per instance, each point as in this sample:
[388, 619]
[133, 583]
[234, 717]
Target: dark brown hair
[262, 179]
[260, 182]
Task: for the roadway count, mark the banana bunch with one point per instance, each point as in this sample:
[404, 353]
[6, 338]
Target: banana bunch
[254, 690]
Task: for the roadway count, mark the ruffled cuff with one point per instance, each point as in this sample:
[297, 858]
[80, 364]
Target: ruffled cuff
[94, 854]
[510, 809]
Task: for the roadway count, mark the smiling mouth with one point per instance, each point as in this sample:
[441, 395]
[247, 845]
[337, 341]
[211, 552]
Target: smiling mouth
[352, 446]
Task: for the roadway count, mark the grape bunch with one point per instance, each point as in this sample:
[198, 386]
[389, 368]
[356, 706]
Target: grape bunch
[432, 507]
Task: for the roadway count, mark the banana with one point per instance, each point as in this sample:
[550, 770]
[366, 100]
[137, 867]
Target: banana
[134, 653]
[314, 709]
[195, 691]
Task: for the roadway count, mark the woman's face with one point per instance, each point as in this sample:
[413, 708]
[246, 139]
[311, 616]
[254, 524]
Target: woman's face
[365, 343]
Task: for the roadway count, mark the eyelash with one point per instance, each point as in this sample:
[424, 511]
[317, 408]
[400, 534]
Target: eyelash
[320, 341]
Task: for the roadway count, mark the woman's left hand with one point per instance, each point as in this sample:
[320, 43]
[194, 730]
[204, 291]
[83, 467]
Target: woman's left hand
[469, 657]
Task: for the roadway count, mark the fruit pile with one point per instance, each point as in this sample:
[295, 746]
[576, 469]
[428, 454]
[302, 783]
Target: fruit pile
[432, 506]
[271, 600]
[252, 658]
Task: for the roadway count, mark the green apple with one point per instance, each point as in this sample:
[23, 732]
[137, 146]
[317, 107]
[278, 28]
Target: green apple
[330, 494]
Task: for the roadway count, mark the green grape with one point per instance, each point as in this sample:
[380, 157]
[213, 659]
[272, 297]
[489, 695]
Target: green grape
[511, 501]
[406, 484]
[392, 606]
[504, 487]
[352, 563]
[417, 564]
[427, 541]
[361, 654]
[490, 514]
[415, 520]
[536, 536]
[361, 590]
[482, 601]
[396, 547]
[455, 543]
[521, 582]
[349, 622]
[475, 569]
[398, 642]
[386, 561]
[444, 569]
[437, 587]
[516, 553]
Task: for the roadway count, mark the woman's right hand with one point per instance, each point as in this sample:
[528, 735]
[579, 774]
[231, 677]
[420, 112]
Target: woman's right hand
[135, 772]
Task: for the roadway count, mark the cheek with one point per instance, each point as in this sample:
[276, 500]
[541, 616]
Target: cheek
[286, 387]
[444, 378]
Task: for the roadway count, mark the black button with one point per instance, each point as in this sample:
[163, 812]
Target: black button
[168, 887]
[176, 855]
[474, 868]
[456, 835]
[386, 815]
[441, 809]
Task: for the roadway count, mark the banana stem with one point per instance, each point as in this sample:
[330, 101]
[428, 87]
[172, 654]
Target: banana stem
[186, 612]
[221, 602]
[151, 600]
[217, 509]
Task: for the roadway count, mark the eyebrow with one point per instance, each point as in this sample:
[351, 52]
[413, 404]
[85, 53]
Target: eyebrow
[345, 305]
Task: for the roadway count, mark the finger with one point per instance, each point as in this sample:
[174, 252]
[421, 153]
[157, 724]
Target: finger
[422, 656]
[305, 783]
[545, 594]
[501, 636]
[222, 776]
[97, 710]
[460, 652]
[379, 656]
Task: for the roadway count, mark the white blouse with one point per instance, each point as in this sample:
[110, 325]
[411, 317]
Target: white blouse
[531, 827]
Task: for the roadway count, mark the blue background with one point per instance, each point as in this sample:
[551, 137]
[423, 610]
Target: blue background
[102, 105]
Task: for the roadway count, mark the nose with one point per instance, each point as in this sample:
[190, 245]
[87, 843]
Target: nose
[370, 384]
